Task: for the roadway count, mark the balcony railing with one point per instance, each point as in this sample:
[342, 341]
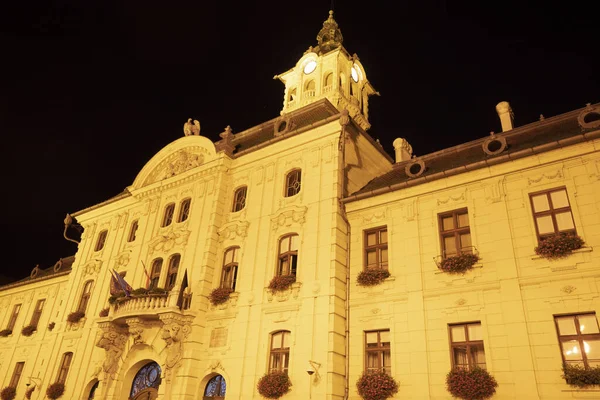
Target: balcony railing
[327, 89]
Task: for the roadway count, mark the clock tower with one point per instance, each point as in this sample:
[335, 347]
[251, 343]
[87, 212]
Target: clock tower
[329, 71]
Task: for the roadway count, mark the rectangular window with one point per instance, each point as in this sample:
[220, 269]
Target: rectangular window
[172, 272]
[184, 210]
[376, 248]
[13, 317]
[230, 267]
[455, 233]
[155, 273]
[579, 339]
[280, 351]
[377, 351]
[16, 376]
[64, 367]
[288, 255]
[552, 212]
[37, 313]
[85, 296]
[466, 343]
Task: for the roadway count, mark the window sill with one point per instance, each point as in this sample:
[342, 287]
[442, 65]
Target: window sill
[585, 249]
[439, 271]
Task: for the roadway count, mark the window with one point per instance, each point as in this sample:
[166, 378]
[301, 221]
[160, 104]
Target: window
[376, 248]
[377, 351]
[280, 351]
[455, 234]
[155, 273]
[184, 210]
[466, 342]
[147, 379]
[552, 212]
[230, 266]
[13, 317]
[93, 391]
[132, 231]
[168, 215]
[579, 339]
[239, 199]
[37, 313]
[16, 376]
[288, 255]
[85, 296]
[215, 388]
[293, 183]
[101, 240]
[64, 367]
[172, 272]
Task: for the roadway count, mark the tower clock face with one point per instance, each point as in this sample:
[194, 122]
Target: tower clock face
[310, 67]
[354, 74]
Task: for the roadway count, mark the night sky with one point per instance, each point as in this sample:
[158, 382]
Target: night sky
[91, 90]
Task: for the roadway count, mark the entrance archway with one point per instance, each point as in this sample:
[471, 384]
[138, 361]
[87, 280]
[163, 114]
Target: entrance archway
[146, 382]
[215, 388]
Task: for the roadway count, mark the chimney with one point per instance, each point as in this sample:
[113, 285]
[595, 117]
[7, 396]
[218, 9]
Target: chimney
[506, 115]
[403, 150]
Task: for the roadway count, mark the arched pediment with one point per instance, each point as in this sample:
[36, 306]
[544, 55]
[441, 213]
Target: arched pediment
[176, 158]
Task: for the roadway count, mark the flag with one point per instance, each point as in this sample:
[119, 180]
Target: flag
[184, 285]
[122, 285]
[147, 275]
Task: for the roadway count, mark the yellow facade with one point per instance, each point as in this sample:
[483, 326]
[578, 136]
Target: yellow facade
[349, 186]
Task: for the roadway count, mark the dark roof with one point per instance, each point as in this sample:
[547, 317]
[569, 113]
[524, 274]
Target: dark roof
[529, 139]
[62, 267]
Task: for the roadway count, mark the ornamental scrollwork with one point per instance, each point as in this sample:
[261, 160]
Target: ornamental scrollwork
[234, 230]
[289, 216]
[173, 236]
[92, 267]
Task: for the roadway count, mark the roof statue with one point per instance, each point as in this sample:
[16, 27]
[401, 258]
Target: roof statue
[191, 129]
[330, 36]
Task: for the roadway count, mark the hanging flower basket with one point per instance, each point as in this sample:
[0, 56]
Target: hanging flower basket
[55, 390]
[103, 312]
[558, 245]
[376, 385]
[75, 316]
[219, 296]
[5, 332]
[274, 385]
[28, 330]
[372, 276]
[473, 384]
[458, 264]
[281, 282]
[578, 376]
[8, 393]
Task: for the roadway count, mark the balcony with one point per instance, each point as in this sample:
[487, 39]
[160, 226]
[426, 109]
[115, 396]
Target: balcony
[147, 306]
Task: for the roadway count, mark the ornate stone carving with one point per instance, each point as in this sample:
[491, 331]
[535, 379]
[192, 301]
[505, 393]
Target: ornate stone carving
[568, 289]
[175, 330]
[177, 163]
[453, 199]
[92, 267]
[557, 175]
[173, 236]
[136, 330]
[234, 230]
[284, 295]
[288, 216]
[493, 192]
[376, 216]
[460, 302]
[216, 365]
[191, 129]
[112, 340]
[122, 259]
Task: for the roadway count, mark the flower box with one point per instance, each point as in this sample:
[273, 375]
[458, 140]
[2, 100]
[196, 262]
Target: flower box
[103, 312]
[75, 316]
[274, 385]
[219, 296]
[558, 245]
[458, 264]
[8, 393]
[28, 330]
[376, 385]
[471, 384]
[578, 376]
[55, 390]
[372, 276]
[5, 332]
[281, 282]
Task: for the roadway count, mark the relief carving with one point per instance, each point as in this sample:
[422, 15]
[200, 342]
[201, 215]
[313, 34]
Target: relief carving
[112, 340]
[287, 217]
[122, 259]
[174, 332]
[92, 267]
[493, 192]
[173, 236]
[568, 289]
[376, 216]
[452, 199]
[545, 176]
[234, 230]
[178, 163]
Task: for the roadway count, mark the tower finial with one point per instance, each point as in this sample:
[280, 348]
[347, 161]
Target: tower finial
[330, 36]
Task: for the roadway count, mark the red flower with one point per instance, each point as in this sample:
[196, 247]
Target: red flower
[55, 390]
[8, 393]
[282, 282]
[219, 296]
[473, 384]
[75, 316]
[459, 264]
[558, 245]
[372, 276]
[376, 385]
[274, 385]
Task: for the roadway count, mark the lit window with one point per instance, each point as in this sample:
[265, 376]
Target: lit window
[172, 272]
[466, 342]
[85, 296]
[288, 255]
[280, 351]
[37, 313]
[552, 212]
[13, 317]
[377, 351]
[64, 367]
[184, 210]
[455, 233]
[376, 248]
[579, 339]
[101, 240]
[230, 267]
[293, 183]
[132, 231]
[215, 387]
[239, 199]
[168, 215]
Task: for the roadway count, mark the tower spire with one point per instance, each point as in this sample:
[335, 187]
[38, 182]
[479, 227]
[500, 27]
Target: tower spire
[330, 36]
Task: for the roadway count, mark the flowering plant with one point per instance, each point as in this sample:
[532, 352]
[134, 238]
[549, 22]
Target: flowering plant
[274, 384]
[372, 276]
[5, 332]
[471, 384]
[103, 312]
[459, 264]
[55, 390]
[376, 385]
[8, 393]
[75, 316]
[28, 330]
[281, 282]
[219, 296]
[576, 375]
[558, 245]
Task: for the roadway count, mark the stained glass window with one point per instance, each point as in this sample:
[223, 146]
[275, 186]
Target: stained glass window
[147, 377]
[215, 387]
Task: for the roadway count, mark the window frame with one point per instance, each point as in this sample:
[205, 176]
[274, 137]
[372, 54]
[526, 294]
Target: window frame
[290, 190]
[37, 313]
[240, 195]
[380, 350]
[14, 316]
[471, 364]
[232, 266]
[185, 206]
[172, 270]
[133, 231]
[579, 336]
[290, 255]
[16, 375]
[86, 293]
[101, 241]
[278, 352]
[456, 232]
[378, 247]
[64, 367]
[168, 214]
[552, 212]
[155, 272]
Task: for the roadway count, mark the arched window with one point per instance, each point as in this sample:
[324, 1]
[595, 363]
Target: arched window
[288, 255]
[101, 240]
[172, 272]
[342, 82]
[239, 199]
[155, 273]
[132, 231]
[292, 95]
[168, 215]
[215, 388]
[279, 357]
[93, 391]
[309, 89]
[63, 370]
[147, 380]
[184, 210]
[85, 296]
[230, 267]
[293, 183]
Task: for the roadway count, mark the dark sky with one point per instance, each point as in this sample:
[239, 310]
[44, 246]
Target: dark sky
[91, 90]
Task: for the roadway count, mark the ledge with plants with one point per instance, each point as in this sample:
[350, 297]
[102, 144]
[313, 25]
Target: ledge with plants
[28, 330]
[5, 332]
[274, 384]
[559, 245]
[75, 316]
[8, 393]
[458, 264]
[51, 326]
[376, 385]
[281, 282]
[372, 276]
[471, 384]
[103, 313]
[581, 377]
[139, 292]
[219, 296]
[55, 390]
